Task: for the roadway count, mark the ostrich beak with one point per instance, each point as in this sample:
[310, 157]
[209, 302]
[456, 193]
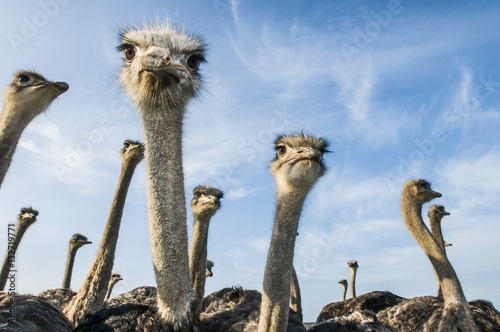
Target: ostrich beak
[207, 199]
[435, 193]
[306, 153]
[157, 60]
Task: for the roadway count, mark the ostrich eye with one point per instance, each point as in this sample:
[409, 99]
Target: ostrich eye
[126, 145]
[280, 150]
[194, 61]
[197, 194]
[129, 52]
[23, 78]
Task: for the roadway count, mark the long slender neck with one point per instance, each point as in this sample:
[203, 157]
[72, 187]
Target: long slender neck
[90, 296]
[278, 274]
[344, 292]
[10, 254]
[167, 221]
[438, 236]
[412, 215]
[435, 222]
[110, 289]
[353, 282]
[198, 257]
[69, 266]
[11, 128]
[296, 297]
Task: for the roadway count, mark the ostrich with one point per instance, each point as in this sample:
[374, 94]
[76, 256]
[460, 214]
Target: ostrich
[91, 294]
[62, 296]
[296, 302]
[374, 302]
[32, 313]
[161, 75]
[25, 219]
[436, 213]
[353, 266]
[449, 313]
[343, 282]
[115, 277]
[28, 95]
[296, 168]
[76, 242]
[370, 302]
[208, 269]
[205, 203]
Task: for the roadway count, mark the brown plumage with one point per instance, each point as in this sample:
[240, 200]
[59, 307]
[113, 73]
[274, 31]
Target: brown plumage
[374, 301]
[32, 313]
[236, 310]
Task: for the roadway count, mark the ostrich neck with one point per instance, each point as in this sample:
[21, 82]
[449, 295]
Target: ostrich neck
[167, 219]
[438, 236]
[450, 285]
[11, 129]
[198, 257]
[278, 273]
[353, 283]
[110, 289]
[436, 230]
[344, 292]
[296, 298]
[10, 254]
[90, 296]
[69, 266]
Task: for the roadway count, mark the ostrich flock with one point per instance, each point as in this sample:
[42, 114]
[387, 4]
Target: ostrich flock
[161, 75]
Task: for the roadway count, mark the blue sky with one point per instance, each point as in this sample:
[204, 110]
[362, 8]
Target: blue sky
[402, 89]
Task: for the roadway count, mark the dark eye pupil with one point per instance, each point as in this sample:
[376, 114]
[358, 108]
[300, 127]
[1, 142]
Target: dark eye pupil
[23, 78]
[129, 53]
[193, 62]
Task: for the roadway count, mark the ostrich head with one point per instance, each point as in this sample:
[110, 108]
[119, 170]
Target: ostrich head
[115, 277]
[132, 151]
[161, 66]
[27, 216]
[420, 191]
[438, 211]
[343, 282]
[78, 241]
[206, 200]
[299, 160]
[31, 93]
[209, 267]
[353, 265]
